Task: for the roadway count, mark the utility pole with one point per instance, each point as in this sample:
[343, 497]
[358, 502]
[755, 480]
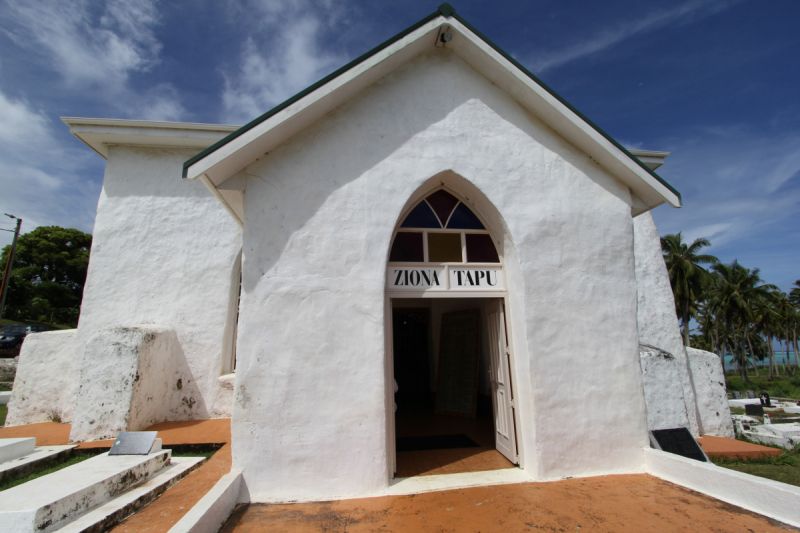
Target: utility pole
[9, 264]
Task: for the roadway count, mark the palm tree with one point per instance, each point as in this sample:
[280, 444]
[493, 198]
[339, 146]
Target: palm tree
[766, 321]
[686, 275]
[788, 323]
[736, 292]
[794, 294]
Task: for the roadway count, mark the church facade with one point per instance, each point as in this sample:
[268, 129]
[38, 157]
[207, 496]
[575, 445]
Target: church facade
[429, 234]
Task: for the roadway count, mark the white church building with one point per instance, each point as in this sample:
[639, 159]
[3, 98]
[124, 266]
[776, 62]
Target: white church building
[431, 215]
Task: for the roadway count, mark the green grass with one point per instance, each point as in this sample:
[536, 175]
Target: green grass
[3, 413]
[6, 386]
[784, 468]
[76, 458]
[781, 387]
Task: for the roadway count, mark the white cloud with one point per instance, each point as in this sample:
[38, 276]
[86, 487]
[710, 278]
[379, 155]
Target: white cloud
[279, 60]
[681, 14]
[741, 190]
[42, 180]
[96, 53]
[19, 123]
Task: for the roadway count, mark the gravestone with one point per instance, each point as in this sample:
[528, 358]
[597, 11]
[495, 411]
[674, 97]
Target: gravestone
[678, 441]
[764, 397]
[133, 443]
[750, 395]
[737, 395]
[754, 410]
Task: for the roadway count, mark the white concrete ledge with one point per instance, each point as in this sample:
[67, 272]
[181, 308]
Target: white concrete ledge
[50, 502]
[775, 500]
[39, 458]
[420, 484]
[11, 449]
[208, 515]
[4, 397]
[105, 516]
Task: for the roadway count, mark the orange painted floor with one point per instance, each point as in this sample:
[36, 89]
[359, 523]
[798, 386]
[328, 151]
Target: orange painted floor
[215, 431]
[734, 449]
[452, 461]
[609, 504]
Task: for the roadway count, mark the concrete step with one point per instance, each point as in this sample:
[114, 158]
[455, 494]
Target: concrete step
[114, 511]
[40, 458]
[11, 449]
[50, 502]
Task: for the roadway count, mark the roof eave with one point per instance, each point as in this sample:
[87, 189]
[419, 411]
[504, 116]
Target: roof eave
[242, 147]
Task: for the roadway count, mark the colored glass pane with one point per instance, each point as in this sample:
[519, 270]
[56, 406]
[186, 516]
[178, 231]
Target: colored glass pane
[480, 249]
[442, 203]
[444, 247]
[421, 217]
[464, 218]
[407, 248]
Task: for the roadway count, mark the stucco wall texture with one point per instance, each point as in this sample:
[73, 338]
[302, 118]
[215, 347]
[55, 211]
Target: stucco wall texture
[165, 252]
[668, 386]
[710, 392]
[309, 416]
[43, 373]
[128, 382]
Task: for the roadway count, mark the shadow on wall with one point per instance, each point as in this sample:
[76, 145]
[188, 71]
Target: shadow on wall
[186, 401]
[132, 378]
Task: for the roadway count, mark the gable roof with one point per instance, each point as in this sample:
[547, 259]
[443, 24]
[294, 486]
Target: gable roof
[225, 158]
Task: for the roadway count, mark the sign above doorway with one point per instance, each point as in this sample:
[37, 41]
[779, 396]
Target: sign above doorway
[445, 278]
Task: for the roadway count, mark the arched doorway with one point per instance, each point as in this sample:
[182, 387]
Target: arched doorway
[448, 347]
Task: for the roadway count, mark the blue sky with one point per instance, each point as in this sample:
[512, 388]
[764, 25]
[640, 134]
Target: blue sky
[715, 82]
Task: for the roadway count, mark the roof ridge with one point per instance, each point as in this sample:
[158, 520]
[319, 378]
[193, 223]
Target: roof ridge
[448, 11]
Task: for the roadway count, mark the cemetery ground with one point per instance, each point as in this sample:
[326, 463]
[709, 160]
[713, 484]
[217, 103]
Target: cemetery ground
[786, 467]
[783, 386]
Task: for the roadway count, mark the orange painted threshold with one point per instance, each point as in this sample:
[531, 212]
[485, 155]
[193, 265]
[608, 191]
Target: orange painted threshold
[734, 449]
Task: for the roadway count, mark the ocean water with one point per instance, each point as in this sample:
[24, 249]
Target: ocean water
[780, 357]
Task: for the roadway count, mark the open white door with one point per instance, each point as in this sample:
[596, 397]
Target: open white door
[500, 376]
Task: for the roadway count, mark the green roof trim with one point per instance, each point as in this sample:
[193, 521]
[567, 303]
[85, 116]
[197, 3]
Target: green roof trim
[448, 11]
[330, 77]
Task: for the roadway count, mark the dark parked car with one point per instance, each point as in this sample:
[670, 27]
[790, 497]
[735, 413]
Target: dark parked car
[13, 334]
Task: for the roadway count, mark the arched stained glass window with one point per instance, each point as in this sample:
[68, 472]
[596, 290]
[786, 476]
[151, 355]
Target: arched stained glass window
[442, 229]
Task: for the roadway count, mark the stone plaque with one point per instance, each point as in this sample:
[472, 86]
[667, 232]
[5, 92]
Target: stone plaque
[678, 441]
[737, 395]
[133, 443]
[754, 410]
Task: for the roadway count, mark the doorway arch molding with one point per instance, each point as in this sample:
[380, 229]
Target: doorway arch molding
[513, 299]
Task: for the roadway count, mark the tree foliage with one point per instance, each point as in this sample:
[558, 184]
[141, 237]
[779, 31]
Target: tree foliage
[46, 283]
[686, 276]
[736, 312]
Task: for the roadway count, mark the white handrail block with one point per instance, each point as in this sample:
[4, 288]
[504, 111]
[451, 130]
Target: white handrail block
[208, 515]
[773, 499]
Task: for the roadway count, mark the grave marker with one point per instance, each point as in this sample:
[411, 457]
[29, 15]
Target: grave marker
[764, 397]
[754, 410]
[134, 443]
[678, 441]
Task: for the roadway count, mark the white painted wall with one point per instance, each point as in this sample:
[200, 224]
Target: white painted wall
[309, 411]
[668, 386]
[42, 385]
[710, 393]
[163, 252]
[126, 382]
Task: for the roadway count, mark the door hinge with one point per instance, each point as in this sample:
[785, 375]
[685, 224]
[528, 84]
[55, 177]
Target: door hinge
[513, 404]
